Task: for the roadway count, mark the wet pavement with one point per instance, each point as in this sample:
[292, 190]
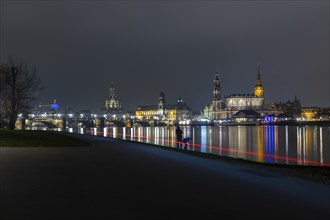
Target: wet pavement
[123, 180]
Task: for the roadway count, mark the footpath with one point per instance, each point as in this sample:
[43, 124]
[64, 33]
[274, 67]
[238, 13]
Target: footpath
[115, 179]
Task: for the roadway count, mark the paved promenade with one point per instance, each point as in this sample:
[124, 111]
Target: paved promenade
[123, 180]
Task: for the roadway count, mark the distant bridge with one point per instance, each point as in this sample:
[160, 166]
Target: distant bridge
[63, 122]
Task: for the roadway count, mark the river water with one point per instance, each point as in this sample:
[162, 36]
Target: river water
[294, 145]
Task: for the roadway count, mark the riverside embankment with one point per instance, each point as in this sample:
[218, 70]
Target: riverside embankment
[126, 180]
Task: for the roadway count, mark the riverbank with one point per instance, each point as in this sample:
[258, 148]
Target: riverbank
[60, 139]
[124, 180]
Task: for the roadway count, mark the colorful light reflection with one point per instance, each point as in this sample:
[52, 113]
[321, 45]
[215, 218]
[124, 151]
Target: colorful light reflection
[265, 152]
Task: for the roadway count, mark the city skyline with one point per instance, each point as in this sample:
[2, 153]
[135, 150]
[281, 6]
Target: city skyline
[144, 48]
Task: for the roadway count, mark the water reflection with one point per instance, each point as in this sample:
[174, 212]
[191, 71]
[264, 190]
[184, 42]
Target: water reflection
[306, 145]
[203, 139]
[269, 144]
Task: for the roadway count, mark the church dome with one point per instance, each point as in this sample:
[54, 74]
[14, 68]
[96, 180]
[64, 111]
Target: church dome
[54, 106]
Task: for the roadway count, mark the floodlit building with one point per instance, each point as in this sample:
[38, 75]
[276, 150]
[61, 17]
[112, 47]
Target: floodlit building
[112, 104]
[171, 113]
[253, 101]
[222, 109]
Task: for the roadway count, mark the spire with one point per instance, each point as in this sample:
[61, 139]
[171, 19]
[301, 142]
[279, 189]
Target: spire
[161, 104]
[112, 91]
[216, 87]
[258, 76]
[259, 89]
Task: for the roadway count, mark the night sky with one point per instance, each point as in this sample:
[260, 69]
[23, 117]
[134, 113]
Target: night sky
[81, 47]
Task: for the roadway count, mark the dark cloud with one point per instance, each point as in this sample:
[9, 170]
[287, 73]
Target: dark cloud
[81, 47]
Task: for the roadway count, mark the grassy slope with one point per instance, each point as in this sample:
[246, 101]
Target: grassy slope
[10, 138]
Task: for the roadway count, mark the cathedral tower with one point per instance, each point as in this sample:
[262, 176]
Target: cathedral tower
[161, 104]
[216, 102]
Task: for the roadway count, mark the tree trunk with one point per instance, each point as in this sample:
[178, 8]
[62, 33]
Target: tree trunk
[13, 111]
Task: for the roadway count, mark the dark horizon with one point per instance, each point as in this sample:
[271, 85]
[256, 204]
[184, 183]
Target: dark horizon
[80, 48]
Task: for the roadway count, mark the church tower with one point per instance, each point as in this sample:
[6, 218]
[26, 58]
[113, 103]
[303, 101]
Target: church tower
[259, 89]
[161, 104]
[216, 102]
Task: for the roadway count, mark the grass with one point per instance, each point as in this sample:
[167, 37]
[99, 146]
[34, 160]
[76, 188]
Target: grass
[9, 138]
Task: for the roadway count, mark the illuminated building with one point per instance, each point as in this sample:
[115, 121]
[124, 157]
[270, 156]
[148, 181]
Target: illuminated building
[246, 116]
[164, 112]
[207, 112]
[291, 109]
[112, 104]
[247, 101]
[152, 111]
[309, 113]
[243, 102]
[222, 109]
[183, 112]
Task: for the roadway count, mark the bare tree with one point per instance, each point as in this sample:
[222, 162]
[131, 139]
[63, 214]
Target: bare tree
[3, 94]
[20, 86]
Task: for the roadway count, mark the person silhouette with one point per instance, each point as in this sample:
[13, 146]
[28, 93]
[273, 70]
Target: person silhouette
[179, 133]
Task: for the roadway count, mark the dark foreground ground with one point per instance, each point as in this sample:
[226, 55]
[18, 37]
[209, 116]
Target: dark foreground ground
[123, 180]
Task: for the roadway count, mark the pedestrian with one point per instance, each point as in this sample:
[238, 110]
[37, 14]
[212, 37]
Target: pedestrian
[179, 133]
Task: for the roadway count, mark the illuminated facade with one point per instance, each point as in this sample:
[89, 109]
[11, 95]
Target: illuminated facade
[247, 101]
[207, 112]
[243, 102]
[152, 111]
[164, 112]
[309, 113]
[112, 104]
[292, 109]
[246, 116]
[231, 104]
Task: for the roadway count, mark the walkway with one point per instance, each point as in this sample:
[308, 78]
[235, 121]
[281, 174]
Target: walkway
[123, 180]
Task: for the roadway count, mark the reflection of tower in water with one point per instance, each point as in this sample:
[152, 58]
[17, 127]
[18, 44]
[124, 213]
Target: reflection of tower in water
[286, 143]
[307, 144]
[270, 143]
[242, 141]
[321, 145]
[299, 145]
[260, 144]
[209, 139]
[203, 139]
